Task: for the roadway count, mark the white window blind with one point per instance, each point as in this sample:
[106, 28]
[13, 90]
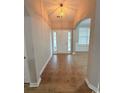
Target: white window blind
[83, 35]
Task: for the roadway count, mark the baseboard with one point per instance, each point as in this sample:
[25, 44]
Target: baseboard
[81, 51]
[63, 53]
[38, 83]
[91, 86]
[45, 64]
[35, 84]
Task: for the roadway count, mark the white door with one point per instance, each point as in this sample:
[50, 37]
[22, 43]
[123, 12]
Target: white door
[26, 70]
[62, 41]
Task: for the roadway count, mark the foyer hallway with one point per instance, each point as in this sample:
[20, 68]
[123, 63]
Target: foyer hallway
[63, 74]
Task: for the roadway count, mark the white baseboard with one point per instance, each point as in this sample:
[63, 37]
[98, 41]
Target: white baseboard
[91, 86]
[45, 64]
[38, 83]
[35, 84]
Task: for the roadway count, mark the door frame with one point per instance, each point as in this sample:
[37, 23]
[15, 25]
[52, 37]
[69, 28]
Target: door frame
[26, 65]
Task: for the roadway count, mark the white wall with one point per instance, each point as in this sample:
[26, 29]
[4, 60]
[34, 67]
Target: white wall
[94, 52]
[29, 48]
[26, 69]
[38, 44]
[41, 33]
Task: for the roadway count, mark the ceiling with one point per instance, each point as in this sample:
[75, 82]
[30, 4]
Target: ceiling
[73, 11]
[69, 8]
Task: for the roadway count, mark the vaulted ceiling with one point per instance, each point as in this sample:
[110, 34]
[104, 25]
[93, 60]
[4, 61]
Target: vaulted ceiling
[64, 14]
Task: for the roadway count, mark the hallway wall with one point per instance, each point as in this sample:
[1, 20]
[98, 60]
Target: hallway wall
[30, 49]
[39, 42]
[38, 38]
[41, 33]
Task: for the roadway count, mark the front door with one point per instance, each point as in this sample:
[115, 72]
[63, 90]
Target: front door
[62, 41]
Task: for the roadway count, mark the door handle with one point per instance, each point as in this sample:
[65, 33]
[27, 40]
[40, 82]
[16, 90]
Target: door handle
[24, 57]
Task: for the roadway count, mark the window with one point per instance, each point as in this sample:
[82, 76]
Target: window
[83, 35]
[69, 41]
[54, 42]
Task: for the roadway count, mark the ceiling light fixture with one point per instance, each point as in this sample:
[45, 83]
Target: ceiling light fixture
[61, 13]
[60, 10]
